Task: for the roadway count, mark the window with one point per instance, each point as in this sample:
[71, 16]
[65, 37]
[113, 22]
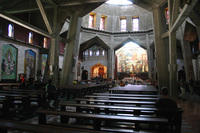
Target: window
[167, 15]
[10, 30]
[92, 20]
[45, 42]
[135, 23]
[123, 24]
[103, 52]
[103, 23]
[30, 37]
[97, 53]
[90, 52]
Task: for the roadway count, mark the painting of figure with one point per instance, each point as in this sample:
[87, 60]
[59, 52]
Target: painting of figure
[44, 61]
[29, 64]
[9, 62]
[132, 58]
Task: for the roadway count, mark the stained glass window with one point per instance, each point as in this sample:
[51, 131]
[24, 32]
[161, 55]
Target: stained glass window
[45, 43]
[30, 37]
[10, 30]
[103, 23]
[92, 20]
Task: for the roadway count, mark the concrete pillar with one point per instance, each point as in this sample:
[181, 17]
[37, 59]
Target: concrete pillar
[52, 66]
[149, 57]
[160, 54]
[187, 55]
[54, 58]
[110, 53]
[172, 64]
[71, 51]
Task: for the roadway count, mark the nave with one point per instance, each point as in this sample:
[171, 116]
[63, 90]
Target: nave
[99, 108]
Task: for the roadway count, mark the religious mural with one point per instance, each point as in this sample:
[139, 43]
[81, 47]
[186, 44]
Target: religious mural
[44, 61]
[9, 62]
[99, 71]
[131, 58]
[29, 64]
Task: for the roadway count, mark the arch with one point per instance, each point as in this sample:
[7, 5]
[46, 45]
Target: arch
[89, 43]
[126, 41]
[98, 70]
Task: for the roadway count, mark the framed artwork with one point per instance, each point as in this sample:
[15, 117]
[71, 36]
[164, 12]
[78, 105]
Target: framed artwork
[44, 61]
[9, 62]
[29, 63]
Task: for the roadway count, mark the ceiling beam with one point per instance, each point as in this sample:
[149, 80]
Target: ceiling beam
[25, 24]
[162, 3]
[24, 10]
[175, 10]
[183, 15]
[80, 2]
[44, 16]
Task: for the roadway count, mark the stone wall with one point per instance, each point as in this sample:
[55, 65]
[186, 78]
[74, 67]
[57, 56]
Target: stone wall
[114, 12]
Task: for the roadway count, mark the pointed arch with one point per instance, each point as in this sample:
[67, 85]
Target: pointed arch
[88, 44]
[126, 41]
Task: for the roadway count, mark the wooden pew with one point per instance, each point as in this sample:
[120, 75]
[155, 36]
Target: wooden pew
[36, 128]
[125, 95]
[122, 98]
[98, 118]
[135, 89]
[112, 102]
[80, 90]
[109, 109]
[9, 85]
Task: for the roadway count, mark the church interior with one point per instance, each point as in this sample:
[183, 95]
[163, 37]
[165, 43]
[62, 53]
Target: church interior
[99, 66]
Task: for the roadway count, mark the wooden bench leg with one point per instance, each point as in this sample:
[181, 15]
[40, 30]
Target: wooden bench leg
[42, 119]
[64, 119]
[97, 124]
[137, 126]
[178, 123]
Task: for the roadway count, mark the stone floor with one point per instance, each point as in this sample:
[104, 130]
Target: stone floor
[191, 114]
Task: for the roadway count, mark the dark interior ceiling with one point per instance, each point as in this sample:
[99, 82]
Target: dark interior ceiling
[29, 12]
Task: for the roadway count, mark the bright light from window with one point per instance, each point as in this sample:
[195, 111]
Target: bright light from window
[135, 24]
[123, 24]
[10, 30]
[119, 2]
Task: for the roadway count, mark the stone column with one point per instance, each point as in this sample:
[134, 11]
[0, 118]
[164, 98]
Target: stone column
[160, 54]
[71, 51]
